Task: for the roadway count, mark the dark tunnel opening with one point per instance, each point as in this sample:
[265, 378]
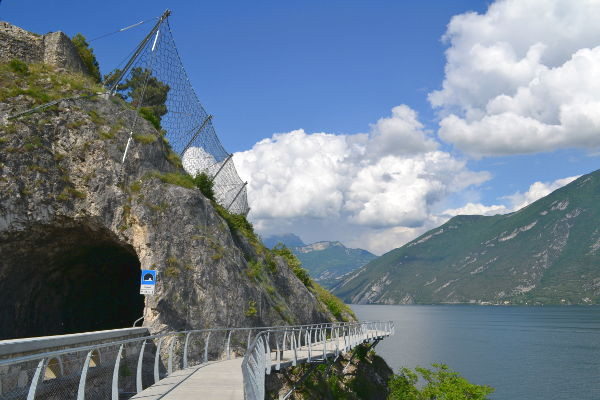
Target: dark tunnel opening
[68, 279]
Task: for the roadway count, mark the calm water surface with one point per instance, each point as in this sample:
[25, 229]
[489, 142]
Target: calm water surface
[549, 353]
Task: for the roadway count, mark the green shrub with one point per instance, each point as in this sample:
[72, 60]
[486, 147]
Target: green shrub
[86, 53]
[441, 383]
[205, 184]
[254, 269]
[251, 311]
[19, 66]
[148, 114]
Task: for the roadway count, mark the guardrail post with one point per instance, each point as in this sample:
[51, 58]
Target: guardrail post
[35, 380]
[228, 341]
[170, 362]
[84, 370]
[206, 347]
[115, 379]
[294, 345]
[278, 358]
[138, 374]
[324, 339]
[283, 341]
[156, 360]
[185, 350]
[268, 358]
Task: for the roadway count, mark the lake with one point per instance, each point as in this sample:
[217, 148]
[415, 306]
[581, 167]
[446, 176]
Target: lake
[549, 353]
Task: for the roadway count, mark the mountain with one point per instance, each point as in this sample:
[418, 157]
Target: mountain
[288, 239]
[328, 262]
[545, 253]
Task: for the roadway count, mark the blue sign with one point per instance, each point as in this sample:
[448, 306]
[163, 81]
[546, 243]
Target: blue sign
[148, 281]
[148, 277]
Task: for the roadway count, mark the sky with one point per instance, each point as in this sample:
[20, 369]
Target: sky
[372, 122]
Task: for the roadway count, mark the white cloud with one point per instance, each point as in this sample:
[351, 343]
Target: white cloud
[516, 201]
[524, 77]
[477, 209]
[536, 191]
[369, 181]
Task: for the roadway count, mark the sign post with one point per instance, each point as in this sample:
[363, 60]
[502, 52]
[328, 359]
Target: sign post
[148, 281]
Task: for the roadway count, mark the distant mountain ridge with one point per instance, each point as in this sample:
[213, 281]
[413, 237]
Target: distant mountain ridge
[288, 239]
[545, 253]
[326, 262]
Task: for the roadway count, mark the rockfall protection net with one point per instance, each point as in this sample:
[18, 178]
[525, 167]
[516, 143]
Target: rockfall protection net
[159, 86]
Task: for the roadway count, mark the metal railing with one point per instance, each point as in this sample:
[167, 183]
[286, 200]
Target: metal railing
[121, 369]
[285, 346]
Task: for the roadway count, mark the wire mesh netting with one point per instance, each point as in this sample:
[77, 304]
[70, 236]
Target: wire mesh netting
[158, 86]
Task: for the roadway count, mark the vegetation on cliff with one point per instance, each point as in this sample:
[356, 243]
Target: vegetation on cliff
[359, 374]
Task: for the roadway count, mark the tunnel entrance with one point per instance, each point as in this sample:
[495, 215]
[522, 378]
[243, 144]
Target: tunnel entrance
[71, 278]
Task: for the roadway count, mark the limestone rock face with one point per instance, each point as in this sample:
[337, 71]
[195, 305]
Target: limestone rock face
[53, 48]
[76, 226]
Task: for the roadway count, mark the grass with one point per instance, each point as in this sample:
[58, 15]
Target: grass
[173, 158]
[176, 178]
[144, 139]
[172, 269]
[135, 187]
[96, 118]
[70, 193]
[42, 83]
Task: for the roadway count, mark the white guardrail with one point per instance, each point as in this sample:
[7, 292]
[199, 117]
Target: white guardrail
[120, 369]
[284, 346]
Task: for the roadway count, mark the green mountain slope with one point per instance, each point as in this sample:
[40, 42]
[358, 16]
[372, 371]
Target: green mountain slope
[545, 253]
[328, 262]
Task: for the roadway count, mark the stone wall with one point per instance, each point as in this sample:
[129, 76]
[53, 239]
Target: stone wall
[53, 48]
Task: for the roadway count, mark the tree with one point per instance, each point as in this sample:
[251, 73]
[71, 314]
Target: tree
[441, 384]
[86, 53]
[144, 91]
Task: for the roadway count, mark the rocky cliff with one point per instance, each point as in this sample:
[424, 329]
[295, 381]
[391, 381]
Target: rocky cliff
[76, 225]
[54, 48]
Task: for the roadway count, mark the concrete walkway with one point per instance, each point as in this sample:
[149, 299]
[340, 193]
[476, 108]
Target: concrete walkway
[223, 380]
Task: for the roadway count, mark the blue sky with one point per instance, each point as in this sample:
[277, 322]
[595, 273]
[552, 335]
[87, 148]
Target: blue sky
[339, 67]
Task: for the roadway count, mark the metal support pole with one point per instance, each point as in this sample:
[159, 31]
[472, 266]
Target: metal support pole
[187, 146]
[35, 380]
[139, 49]
[228, 341]
[185, 350]
[156, 360]
[236, 196]
[84, 370]
[206, 348]
[170, 362]
[222, 166]
[138, 374]
[115, 380]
